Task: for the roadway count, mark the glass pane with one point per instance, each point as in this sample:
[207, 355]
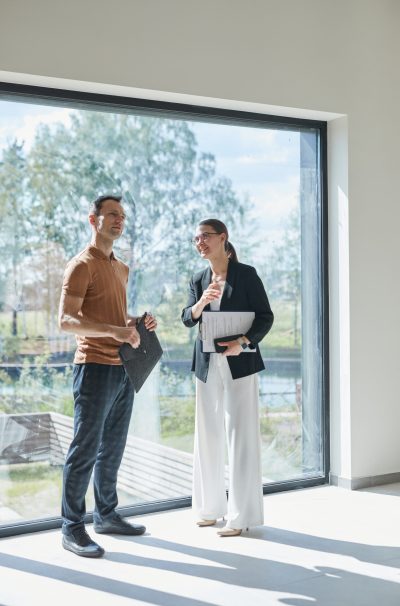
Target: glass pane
[262, 182]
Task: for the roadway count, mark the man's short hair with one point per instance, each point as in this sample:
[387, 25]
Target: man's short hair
[96, 205]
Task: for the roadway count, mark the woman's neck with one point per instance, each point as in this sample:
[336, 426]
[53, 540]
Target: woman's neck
[219, 266]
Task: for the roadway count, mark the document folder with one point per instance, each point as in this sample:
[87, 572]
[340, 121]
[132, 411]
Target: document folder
[139, 362]
[219, 324]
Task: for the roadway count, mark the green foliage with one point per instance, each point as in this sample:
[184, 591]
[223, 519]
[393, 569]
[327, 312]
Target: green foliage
[24, 486]
[14, 221]
[281, 341]
[177, 416]
[10, 346]
[39, 388]
[168, 185]
[284, 272]
[31, 472]
[177, 405]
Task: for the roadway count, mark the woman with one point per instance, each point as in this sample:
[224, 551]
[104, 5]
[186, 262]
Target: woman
[227, 387]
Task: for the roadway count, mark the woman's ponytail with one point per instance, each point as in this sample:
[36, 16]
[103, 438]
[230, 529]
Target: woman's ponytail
[231, 252]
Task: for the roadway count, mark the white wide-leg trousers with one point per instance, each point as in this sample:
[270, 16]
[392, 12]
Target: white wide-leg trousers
[225, 405]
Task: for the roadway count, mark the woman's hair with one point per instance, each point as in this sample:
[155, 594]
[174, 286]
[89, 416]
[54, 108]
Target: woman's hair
[221, 228]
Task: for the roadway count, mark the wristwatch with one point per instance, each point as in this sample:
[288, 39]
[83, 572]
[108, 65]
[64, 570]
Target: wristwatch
[242, 342]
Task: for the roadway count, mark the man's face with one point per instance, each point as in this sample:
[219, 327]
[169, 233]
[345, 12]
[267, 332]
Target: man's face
[110, 222]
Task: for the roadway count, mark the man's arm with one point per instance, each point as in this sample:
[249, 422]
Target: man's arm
[70, 320]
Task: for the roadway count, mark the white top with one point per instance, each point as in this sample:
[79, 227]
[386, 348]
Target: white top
[216, 304]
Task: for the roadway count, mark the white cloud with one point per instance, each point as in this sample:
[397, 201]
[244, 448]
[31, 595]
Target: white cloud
[27, 130]
[23, 128]
[274, 156]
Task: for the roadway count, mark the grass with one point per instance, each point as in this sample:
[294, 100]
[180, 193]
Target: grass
[31, 489]
[177, 416]
[32, 338]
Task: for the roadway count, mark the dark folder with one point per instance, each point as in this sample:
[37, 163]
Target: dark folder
[139, 362]
[221, 348]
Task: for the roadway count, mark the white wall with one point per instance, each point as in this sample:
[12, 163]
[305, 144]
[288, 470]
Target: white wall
[339, 57]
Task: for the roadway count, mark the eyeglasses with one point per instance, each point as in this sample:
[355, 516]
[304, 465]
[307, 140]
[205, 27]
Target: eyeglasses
[203, 237]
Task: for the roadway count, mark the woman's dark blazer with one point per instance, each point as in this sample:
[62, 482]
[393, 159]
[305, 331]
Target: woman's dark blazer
[243, 291]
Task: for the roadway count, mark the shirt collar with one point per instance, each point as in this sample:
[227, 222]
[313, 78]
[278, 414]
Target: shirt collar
[96, 252]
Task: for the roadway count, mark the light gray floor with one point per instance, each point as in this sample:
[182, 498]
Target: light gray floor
[322, 546]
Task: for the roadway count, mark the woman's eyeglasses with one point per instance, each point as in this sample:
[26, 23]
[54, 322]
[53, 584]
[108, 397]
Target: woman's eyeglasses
[203, 237]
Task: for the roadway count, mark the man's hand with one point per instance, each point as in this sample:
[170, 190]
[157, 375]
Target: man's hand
[150, 322]
[127, 334]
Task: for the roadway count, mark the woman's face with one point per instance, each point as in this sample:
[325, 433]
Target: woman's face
[208, 242]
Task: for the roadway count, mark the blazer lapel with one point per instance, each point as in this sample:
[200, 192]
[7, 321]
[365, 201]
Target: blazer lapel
[229, 283]
[205, 283]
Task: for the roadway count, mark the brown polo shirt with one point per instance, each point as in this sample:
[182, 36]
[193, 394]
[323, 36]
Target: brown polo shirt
[101, 281]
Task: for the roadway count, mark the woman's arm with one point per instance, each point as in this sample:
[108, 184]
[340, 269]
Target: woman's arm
[192, 312]
[186, 315]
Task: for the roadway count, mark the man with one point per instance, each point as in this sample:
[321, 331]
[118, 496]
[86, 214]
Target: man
[93, 307]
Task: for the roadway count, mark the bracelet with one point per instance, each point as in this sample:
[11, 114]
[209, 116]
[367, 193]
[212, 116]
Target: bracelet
[242, 342]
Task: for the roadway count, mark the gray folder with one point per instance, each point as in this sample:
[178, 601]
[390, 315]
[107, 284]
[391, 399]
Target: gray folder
[139, 362]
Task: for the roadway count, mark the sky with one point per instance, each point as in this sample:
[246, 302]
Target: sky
[263, 164]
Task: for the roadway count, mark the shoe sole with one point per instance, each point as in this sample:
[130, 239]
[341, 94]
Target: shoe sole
[234, 533]
[126, 534]
[82, 554]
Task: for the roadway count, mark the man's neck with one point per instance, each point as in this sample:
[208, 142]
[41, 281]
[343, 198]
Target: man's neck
[106, 246]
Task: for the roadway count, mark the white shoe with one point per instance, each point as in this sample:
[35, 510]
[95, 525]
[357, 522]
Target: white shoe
[230, 532]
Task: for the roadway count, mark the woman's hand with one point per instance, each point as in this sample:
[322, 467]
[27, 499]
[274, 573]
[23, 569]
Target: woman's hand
[210, 294]
[233, 348]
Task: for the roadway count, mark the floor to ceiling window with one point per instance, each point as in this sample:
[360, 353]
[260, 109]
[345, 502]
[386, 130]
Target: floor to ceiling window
[262, 176]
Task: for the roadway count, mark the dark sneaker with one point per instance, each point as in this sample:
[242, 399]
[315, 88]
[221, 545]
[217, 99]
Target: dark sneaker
[78, 541]
[118, 525]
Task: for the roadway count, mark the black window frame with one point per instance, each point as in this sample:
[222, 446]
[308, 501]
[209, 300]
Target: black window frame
[74, 99]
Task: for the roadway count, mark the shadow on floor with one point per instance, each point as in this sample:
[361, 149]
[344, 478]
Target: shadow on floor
[374, 554]
[99, 583]
[322, 585]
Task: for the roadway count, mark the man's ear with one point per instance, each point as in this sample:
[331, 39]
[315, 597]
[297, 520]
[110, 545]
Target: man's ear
[92, 219]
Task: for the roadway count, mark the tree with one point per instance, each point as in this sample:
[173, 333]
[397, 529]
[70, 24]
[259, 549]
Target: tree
[168, 186]
[14, 232]
[285, 270]
[154, 162]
